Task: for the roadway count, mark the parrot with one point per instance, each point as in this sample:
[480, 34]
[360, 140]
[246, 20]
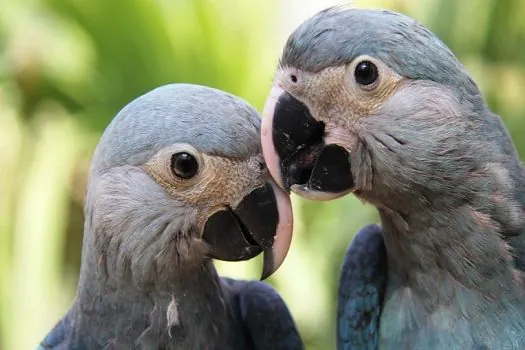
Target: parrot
[371, 102]
[177, 180]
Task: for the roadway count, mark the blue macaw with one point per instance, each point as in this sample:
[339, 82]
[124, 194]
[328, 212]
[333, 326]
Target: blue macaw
[372, 103]
[178, 178]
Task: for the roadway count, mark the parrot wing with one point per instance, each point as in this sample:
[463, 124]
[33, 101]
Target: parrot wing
[361, 290]
[60, 337]
[265, 316]
[515, 235]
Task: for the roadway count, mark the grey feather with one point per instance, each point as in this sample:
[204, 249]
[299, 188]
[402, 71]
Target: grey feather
[335, 37]
[211, 120]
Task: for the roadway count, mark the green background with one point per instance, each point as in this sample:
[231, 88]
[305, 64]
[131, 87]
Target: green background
[66, 68]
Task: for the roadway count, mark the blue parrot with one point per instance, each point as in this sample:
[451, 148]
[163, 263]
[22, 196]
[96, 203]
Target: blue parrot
[178, 178]
[370, 102]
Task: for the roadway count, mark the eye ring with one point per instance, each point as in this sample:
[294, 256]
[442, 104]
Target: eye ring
[184, 165]
[366, 74]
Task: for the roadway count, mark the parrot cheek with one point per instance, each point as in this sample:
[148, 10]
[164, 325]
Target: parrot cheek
[297, 153]
[261, 222]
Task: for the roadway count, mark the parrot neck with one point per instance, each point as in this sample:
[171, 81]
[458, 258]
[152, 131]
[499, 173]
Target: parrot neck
[154, 315]
[462, 249]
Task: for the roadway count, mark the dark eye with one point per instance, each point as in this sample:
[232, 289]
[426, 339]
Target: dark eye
[366, 73]
[184, 165]
[293, 78]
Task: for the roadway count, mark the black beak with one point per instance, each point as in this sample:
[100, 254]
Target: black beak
[262, 222]
[296, 154]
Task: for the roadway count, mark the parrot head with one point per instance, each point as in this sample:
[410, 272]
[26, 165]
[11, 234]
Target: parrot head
[178, 177]
[371, 102]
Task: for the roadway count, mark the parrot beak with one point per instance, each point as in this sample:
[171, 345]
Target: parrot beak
[296, 153]
[261, 222]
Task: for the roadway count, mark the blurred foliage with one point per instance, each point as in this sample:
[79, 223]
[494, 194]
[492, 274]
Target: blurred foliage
[66, 68]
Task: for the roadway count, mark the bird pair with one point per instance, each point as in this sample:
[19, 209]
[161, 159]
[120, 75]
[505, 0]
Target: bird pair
[364, 101]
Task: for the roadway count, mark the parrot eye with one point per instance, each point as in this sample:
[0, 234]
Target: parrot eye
[184, 165]
[365, 73]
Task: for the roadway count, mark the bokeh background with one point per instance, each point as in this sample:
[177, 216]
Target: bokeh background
[66, 68]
